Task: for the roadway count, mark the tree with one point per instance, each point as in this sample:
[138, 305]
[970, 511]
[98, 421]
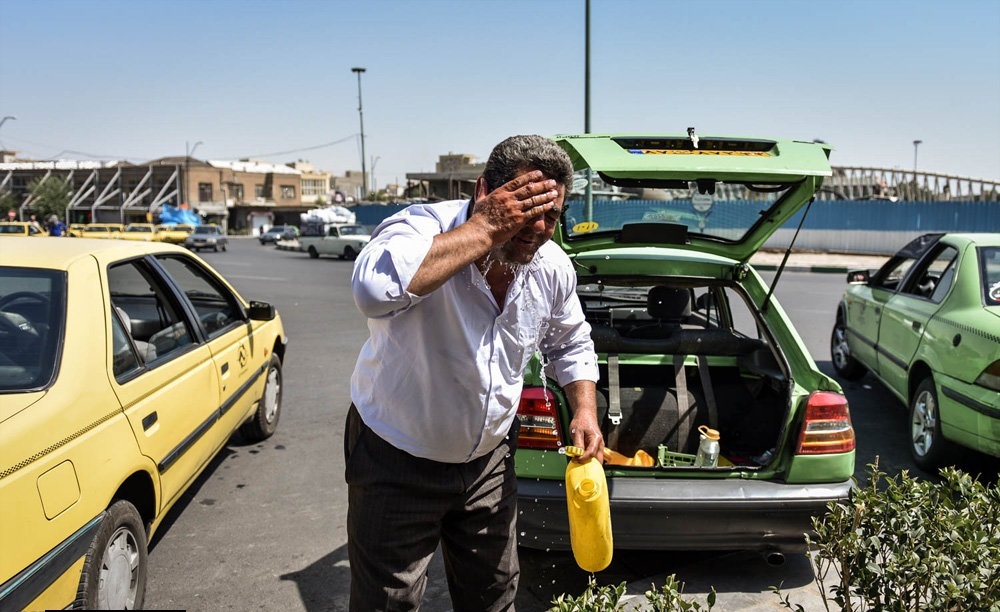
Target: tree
[50, 197]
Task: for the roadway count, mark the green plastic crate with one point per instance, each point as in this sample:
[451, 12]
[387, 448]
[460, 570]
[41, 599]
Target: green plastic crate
[668, 458]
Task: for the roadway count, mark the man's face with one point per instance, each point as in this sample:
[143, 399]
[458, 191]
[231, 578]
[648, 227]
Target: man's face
[522, 247]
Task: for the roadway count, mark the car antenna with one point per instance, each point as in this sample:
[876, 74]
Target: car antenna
[784, 260]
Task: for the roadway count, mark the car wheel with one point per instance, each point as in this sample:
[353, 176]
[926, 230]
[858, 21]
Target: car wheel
[846, 366]
[225, 247]
[349, 253]
[313, 252]
[927, 445]
[115, 568]
[265, 420]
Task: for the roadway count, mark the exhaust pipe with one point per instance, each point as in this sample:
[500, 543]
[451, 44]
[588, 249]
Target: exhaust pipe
[774, 557]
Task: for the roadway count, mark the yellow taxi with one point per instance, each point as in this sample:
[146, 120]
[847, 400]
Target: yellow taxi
[20, 228]
[76, 230]
[174, 234]
[124, 369]
[141, 232]
[103, 230]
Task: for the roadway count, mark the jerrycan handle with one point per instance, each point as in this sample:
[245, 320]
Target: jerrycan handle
[574, 451]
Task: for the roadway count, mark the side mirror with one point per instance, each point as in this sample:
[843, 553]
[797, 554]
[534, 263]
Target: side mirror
[858, 277]
[261, 311]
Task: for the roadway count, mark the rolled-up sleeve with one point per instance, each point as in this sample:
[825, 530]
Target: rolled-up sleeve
[385, 267]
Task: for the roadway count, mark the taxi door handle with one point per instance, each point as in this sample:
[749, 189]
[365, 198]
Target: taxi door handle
[916, 325]
[225, 367]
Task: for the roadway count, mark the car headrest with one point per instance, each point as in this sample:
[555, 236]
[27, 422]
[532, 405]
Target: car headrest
[668, 303]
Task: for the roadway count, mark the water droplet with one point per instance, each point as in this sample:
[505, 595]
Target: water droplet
[522, 534]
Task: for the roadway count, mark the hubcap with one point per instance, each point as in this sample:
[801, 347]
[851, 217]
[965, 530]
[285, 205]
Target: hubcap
[271, 395]
[841, 352]
[119, 572]
[924, 419]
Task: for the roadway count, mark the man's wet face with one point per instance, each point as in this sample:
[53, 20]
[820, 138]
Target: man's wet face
[522, 247]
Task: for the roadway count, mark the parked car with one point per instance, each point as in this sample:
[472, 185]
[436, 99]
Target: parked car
[20, 228]
[142, 232]
[279, 232]
[175, 233]
[927, 325]
[103, 230]
[207, 237]
[688, 335]
[76, 230]
[343, 240]
[124, 369]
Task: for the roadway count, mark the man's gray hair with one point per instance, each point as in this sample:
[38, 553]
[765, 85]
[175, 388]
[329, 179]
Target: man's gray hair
[517, 154]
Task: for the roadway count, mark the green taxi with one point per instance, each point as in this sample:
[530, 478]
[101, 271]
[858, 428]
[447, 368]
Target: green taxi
[927, 325]
[689, 337]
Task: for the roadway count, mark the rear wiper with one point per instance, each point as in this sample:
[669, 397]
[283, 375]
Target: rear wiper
[784, 260]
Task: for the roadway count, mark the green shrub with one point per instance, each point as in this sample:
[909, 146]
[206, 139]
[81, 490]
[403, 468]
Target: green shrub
[905, 544]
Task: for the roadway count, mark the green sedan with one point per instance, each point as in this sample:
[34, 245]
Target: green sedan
[927, 325]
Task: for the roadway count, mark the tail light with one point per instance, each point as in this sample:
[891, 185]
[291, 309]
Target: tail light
[827, 426]
[539, 416]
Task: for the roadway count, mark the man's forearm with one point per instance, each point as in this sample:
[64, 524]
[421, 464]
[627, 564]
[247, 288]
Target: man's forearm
[449, 253]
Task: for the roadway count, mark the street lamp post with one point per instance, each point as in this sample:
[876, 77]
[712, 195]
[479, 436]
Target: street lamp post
[916, 143]
[361, 116]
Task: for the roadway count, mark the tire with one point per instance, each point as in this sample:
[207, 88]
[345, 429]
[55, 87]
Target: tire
[349, 253]
[115, 568]
[847, 367]
[264, 421]
[215, 249]
[313, 252]
[927, 446]
[225, 247]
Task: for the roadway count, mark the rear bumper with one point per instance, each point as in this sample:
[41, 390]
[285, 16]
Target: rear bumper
[684, 514]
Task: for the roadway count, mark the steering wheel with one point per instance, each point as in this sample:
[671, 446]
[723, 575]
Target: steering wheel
[30, 296]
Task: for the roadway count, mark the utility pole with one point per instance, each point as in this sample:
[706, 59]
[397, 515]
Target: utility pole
[361, 116]
[916, 143]
[588, 201]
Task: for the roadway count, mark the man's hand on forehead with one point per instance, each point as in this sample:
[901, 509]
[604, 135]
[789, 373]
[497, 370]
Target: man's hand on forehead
[510, 207]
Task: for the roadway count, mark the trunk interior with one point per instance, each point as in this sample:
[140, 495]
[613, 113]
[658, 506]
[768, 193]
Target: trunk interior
[680, 356]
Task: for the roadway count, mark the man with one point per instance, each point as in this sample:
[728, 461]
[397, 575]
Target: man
[459, 295]
[56, 227]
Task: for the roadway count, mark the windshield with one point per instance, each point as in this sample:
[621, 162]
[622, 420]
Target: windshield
[32, 311]
[11, 229]
[352, 230]
[138, 228]
[989, 263]
[713, 209]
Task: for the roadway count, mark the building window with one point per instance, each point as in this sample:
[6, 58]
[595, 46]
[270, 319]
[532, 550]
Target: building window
[287, 192]
[204, 192]
[236, 191]
[258, 191]
[313, 187]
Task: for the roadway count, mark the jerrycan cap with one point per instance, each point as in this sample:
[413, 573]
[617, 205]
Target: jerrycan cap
[574, 451]
[708, 432]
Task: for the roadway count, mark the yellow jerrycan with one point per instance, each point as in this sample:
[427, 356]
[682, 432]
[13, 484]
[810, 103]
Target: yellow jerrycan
[589, 512]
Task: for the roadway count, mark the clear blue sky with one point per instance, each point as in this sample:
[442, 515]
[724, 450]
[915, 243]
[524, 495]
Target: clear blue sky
[137, 79]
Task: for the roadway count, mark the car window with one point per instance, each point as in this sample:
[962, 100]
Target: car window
[934, 276]
[989, 264]
[32, 317]
[217, 307]
[149, 311]
[893, 272]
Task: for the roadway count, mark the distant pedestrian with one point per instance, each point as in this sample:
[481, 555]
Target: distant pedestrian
[56, 227]
[34, 221]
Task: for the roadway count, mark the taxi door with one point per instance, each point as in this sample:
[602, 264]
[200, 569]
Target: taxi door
[239, 361]
[164, 378]
[906, 314]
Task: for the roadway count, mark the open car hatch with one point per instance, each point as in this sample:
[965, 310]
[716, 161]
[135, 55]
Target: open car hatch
[719, 195]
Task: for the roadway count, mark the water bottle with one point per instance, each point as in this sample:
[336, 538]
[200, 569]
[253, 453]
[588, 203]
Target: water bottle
[708, 448]
[589, 512]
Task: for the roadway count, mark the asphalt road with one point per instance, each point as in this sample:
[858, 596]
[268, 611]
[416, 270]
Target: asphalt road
[264, 527]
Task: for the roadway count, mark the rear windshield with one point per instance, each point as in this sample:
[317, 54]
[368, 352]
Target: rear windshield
[713, 209]
[11, 229]
[32, 315]
[989, 263]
